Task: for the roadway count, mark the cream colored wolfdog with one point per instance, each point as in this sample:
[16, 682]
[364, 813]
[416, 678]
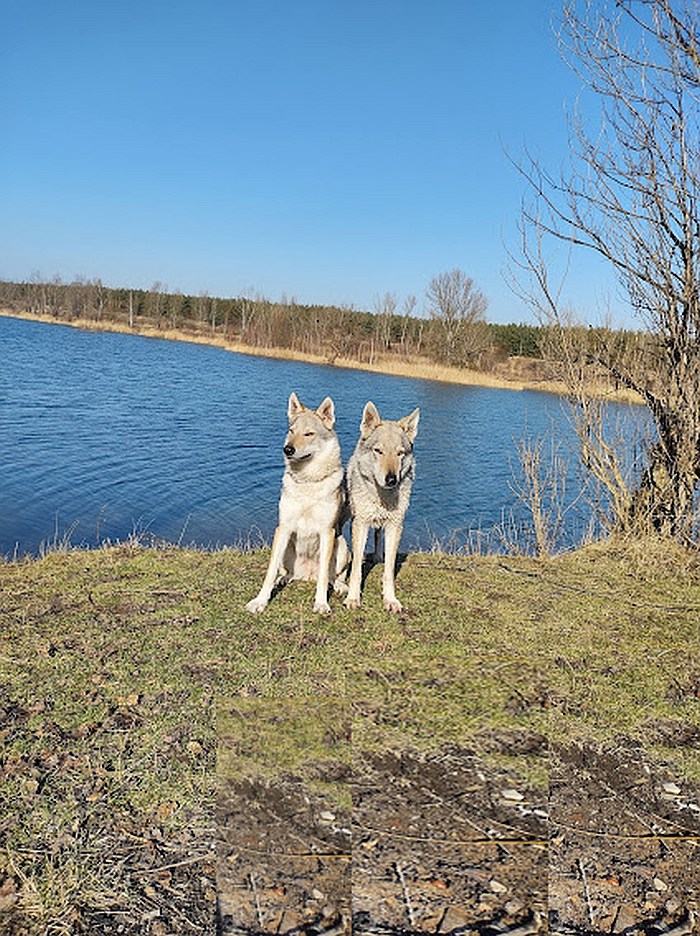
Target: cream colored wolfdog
[308, 542]
[380, 478]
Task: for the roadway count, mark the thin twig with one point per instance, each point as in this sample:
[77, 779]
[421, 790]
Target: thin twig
[177, 864]
[406, 898]
[628, 836]
[543, 843]
[584, 878]
[258, 911]
[308, 854]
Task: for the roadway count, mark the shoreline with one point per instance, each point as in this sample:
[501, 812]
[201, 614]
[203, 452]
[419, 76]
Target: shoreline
[408, 367]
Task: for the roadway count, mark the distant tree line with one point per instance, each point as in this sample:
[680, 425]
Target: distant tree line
[454, 332]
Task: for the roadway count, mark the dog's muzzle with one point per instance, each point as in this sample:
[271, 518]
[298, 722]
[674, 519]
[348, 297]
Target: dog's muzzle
[294, 457]
[391, 480]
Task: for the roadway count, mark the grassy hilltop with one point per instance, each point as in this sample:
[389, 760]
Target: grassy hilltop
[122, 669]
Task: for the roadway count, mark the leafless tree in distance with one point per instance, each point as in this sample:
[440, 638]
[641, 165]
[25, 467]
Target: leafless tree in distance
[459, 308]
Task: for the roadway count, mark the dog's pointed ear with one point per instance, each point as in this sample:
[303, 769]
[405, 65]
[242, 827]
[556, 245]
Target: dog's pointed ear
[409, 424]
[326, 412]
[370, 419]
[294, 407]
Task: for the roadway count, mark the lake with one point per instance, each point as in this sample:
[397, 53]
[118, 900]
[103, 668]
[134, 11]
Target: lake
[104, 436]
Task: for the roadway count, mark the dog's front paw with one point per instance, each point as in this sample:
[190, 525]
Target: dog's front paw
[393, 605]
[322, 607]
[340, 587]
[352, 603]
[256, 605]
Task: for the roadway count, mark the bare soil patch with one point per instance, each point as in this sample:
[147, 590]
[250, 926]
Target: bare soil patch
[446, 844]
[624, 845]
[436, 846]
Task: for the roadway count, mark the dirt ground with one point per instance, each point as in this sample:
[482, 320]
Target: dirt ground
[624, 849]
[442, 844]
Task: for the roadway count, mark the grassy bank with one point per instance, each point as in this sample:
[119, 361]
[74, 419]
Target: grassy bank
[120, 667]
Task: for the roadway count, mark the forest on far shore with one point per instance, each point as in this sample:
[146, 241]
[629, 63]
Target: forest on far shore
[332, 332]
[454, 333]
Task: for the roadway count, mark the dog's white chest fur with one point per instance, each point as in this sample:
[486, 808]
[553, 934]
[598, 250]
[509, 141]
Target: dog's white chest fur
[306, 506]
[305, 509]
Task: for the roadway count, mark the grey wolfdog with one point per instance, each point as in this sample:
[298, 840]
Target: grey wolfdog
[308, 543]
[380, 477]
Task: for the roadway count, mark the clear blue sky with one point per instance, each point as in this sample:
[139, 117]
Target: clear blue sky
[330, 151]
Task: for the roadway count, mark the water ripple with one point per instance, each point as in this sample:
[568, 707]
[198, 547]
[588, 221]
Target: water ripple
[106, 435]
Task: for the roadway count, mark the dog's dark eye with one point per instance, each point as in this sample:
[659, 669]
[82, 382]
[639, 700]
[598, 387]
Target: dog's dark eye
[378, 451]
[309, 434]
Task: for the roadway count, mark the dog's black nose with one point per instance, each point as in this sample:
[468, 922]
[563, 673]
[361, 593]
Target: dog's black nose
[390, 479]
[289, 450]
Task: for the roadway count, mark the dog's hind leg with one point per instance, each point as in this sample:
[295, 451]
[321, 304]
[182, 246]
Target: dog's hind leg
[392, 536]
[339, 563]
[279, 546]
[359, 538]
[325, 553]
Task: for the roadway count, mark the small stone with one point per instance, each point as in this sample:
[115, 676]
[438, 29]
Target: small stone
[316, 894]
[660, 885]
[453, 919]
[327, 816]
[512, 796]
[672, 789]
[624, 918]
[290, 921]
[497, 887]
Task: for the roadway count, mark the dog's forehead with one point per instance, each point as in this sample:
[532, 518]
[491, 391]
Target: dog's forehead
[304, 420]
[388, 433]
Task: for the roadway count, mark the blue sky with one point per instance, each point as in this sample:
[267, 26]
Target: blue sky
[327, 151]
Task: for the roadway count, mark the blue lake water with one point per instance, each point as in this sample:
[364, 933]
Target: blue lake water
[103, 436]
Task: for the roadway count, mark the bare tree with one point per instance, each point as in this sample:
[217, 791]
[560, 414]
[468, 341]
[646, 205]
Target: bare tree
[459, 309]
[409, 305]
[99, 297]
[385, 309]
[248, 309]
[631, 196]
[157, 295]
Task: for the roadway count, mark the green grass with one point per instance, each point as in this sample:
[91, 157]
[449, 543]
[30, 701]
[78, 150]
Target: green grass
[123, 670]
